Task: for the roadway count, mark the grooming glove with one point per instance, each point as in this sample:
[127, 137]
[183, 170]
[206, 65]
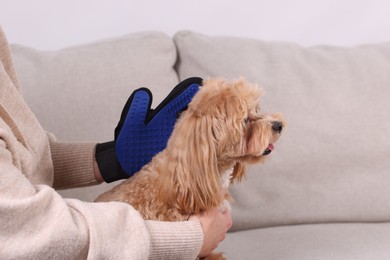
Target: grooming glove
[142, 132]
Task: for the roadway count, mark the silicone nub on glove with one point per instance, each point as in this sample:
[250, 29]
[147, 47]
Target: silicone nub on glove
[143, 132]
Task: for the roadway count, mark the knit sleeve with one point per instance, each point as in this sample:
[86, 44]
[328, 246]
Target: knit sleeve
[37, 223]
[6, 60]
[73, 164]
[175, 240]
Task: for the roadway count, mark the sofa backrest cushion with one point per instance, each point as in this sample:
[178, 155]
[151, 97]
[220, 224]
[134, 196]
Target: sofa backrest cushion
[332, 161]
[78, 93]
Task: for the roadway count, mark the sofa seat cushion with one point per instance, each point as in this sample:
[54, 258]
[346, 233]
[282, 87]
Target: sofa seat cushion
[352, 241]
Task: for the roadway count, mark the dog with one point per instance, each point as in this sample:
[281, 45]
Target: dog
[221, 132]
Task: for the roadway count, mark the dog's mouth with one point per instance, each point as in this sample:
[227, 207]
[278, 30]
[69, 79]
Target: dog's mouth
[269, 149]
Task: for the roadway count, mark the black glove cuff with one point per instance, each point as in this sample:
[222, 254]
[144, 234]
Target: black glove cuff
[109, 166]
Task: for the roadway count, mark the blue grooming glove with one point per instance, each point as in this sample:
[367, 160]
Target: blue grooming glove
[143, 132]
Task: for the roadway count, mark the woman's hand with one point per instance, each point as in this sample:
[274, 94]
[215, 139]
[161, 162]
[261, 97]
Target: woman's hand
[215, 223]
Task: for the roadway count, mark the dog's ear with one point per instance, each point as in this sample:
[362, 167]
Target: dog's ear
[195, 183]
[238, 172]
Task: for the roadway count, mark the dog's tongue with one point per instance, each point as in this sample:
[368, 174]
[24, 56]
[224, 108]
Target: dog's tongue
[271, 147]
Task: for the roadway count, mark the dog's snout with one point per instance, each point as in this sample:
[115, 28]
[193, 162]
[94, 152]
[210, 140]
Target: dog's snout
[277, 126]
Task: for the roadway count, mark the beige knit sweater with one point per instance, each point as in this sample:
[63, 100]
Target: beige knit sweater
[37, 223]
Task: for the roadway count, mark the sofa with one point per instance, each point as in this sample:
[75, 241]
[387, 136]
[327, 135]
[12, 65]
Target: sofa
[324, 193]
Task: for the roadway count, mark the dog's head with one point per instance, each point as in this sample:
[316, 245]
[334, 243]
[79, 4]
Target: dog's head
[222, 128]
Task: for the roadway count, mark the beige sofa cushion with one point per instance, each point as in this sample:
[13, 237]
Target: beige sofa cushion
[349, 241]
[332, 161]
[78, 93]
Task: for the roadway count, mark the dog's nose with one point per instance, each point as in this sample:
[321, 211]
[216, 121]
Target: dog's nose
[277, 126]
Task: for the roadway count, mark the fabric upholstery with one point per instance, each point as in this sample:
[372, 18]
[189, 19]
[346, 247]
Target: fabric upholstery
[85, 87]
[353, 241]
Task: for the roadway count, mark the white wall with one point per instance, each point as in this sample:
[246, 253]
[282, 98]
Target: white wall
[53, 24]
